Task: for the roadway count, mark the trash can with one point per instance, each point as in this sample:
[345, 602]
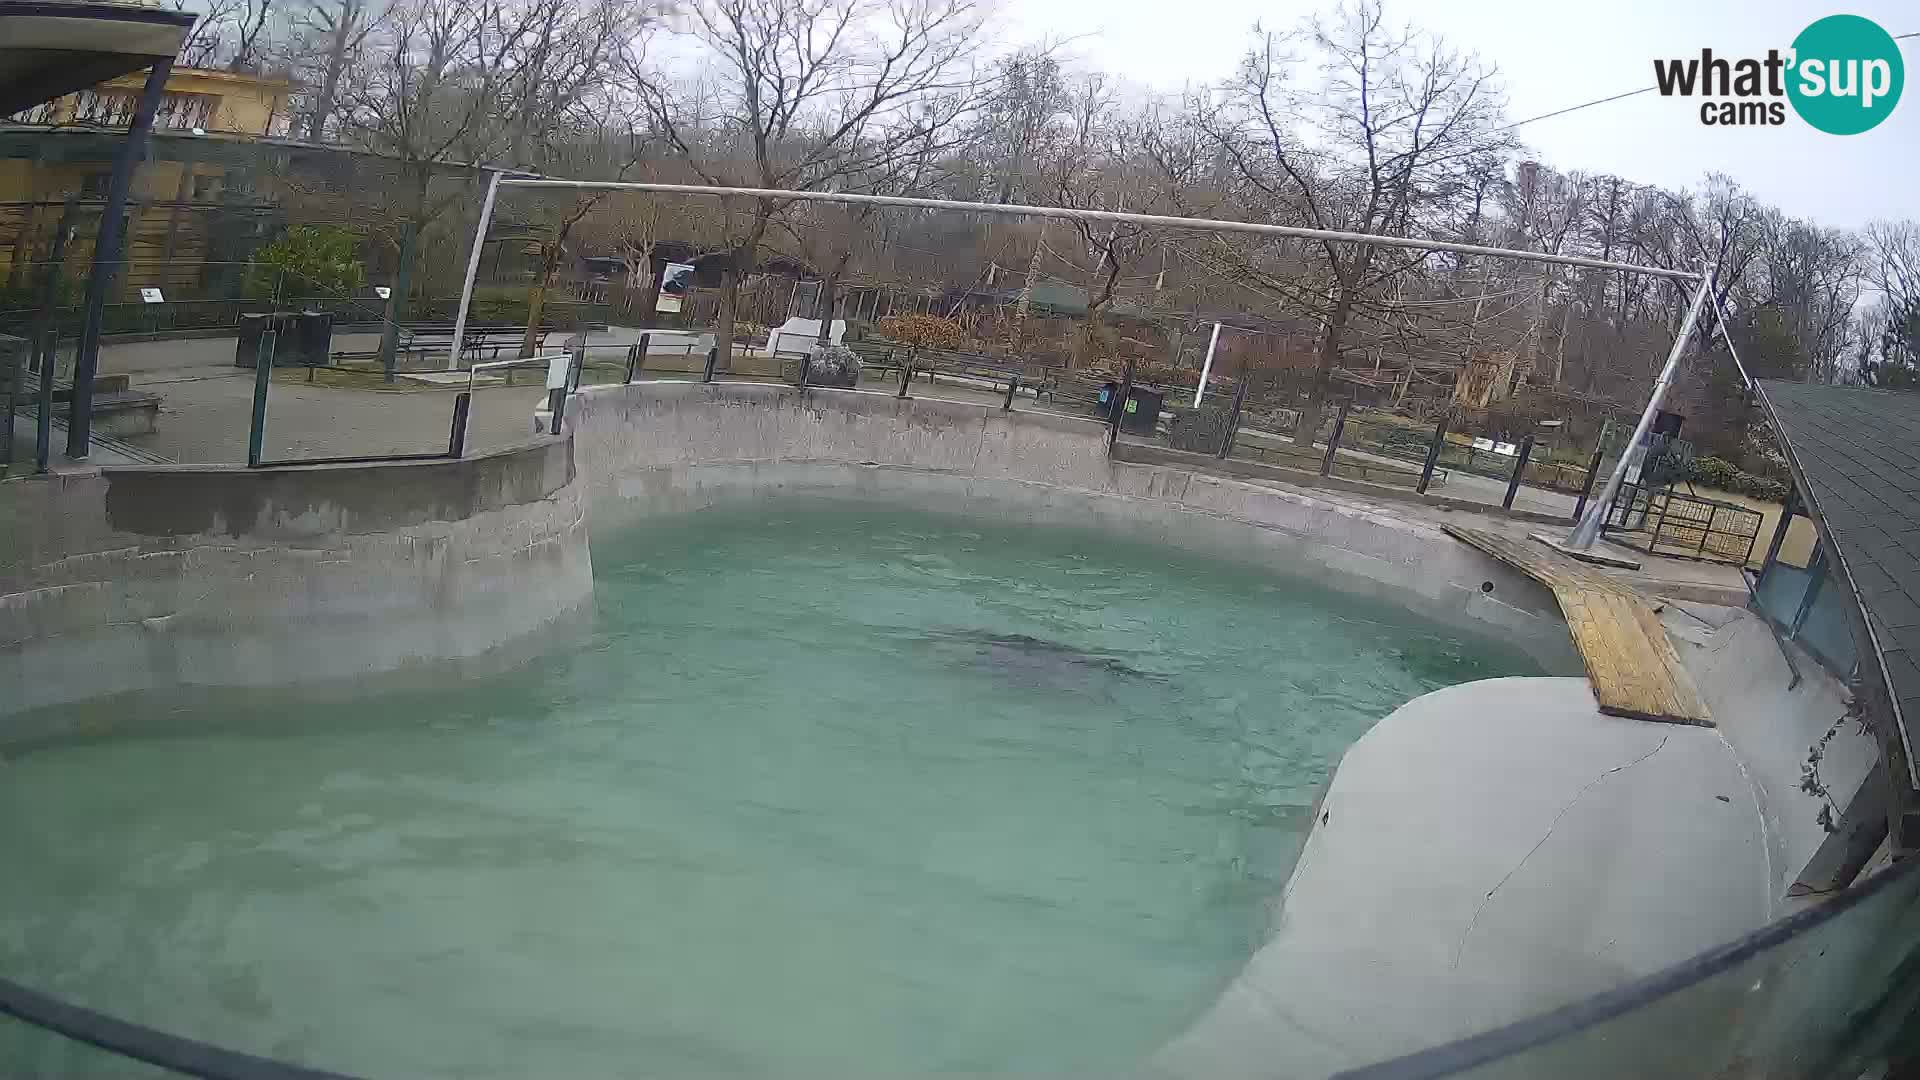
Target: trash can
[252, 326]
[1141, 413]
[313, 339]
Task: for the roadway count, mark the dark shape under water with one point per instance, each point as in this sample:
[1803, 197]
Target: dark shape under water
[1025, 660]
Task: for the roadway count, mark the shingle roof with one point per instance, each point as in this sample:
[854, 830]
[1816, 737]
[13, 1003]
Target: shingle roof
[1857, 453]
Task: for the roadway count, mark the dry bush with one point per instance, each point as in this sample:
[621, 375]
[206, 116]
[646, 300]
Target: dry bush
[922, 331]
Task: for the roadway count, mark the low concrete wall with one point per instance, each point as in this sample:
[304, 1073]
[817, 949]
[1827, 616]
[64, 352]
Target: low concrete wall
[1774, 723]
[125, 578]
[669, 447]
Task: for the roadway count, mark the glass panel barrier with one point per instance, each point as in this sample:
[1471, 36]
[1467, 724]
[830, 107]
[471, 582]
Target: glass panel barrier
[1833, 991]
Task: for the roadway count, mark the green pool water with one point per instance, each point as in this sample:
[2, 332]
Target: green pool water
[823, 792]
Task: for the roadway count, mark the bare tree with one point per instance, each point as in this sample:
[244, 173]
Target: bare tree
[1893, 259]
[209, 41]
[1373, 140]
[326, 38]
[427, 101]
[1019, 122]
[250, 40]
[811, 94]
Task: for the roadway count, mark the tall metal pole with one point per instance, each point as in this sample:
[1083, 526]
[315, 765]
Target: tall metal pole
[473, 270]
[1206, 366]
[1588, 530]
[106, 258]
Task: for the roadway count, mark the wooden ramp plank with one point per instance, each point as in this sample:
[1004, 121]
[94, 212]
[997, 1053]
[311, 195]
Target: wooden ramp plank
[1630, 661]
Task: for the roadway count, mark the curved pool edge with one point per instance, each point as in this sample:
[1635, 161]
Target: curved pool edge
[125, 579]
[657, 448]
[207, 576]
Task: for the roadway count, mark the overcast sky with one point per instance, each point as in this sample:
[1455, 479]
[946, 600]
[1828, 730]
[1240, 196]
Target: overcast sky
[1553, 55]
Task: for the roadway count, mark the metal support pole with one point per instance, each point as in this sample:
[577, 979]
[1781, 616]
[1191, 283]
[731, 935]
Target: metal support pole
[906, 373]
[713, 359]
[106, 258]
[1653, 537]
[1119, 406]
[1233, 416]
[1333, 439]
[1817, 580]
[1013, 385]
[1780, 529]
[636, 356]
[1588, 530]
[457, 441]
[43, 416]
[806, 367]
[473, 269]
[262, 376]
[1593, 470]
[1433, 454]
[1206, 366]
[1519, 470]
[26, 355]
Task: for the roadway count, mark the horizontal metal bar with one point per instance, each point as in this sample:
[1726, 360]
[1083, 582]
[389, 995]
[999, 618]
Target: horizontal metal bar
[1071, 214]
[144, 1044]
[495, 365]
[365, 459]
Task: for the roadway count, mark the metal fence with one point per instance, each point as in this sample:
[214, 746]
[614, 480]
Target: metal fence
[1687, 526]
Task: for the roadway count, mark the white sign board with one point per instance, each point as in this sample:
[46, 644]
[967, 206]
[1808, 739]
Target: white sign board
[150, 295]
[1506, 448]
[382, 292]
[676, 280]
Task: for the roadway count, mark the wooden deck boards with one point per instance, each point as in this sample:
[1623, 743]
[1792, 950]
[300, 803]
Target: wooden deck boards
[1630, 662]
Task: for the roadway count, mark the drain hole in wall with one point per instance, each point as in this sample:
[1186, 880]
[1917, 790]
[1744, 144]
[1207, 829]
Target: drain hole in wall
[1486, 586]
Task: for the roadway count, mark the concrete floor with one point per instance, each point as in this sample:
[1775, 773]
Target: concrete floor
[206, 408]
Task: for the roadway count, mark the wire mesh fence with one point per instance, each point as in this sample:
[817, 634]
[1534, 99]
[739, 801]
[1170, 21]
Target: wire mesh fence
[1677, 524]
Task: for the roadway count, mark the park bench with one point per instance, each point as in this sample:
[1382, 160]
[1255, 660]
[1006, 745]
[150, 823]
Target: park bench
[476, 342]
[118, 409]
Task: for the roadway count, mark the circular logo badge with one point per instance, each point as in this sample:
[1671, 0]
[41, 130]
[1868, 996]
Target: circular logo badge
[1846, 76]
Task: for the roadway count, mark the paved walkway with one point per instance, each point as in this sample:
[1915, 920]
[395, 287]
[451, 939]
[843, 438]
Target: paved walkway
[206, 408]
[206, 404]
[1683, 579]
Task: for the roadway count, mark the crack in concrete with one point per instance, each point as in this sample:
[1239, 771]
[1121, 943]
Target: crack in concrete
[1460, 947]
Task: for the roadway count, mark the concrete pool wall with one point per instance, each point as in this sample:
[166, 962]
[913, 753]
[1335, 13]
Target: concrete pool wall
[655, 448]
[1485, 852]
[133, 578]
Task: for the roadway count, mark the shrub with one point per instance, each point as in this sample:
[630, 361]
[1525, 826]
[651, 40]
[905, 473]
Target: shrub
[922, 331]
[835, 365]
[1723, 474]
[318, 258]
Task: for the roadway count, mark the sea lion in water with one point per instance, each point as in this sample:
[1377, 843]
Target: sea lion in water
[1030, 661]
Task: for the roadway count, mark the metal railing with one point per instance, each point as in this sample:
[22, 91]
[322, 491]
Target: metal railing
[1686, 526]
[257, 424]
